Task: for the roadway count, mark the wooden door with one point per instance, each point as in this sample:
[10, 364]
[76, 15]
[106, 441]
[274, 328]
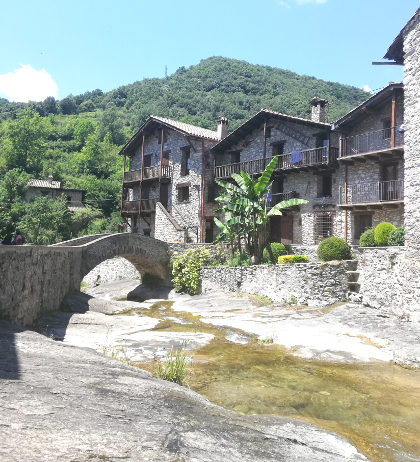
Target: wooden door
[281, 229]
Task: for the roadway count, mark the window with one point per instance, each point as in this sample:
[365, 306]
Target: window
[147, 232]
[147, 160]
[183, 193]
[268, 132]
[185, 161]
[278, 148]
[325, 186]
[386, 134]
[323, 225]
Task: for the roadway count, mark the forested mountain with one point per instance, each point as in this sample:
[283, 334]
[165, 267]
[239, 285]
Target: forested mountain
[77, 139]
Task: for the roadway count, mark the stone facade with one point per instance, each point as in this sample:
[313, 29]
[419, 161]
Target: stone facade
[313, 284]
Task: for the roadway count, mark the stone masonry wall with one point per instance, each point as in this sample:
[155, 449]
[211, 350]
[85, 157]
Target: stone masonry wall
[314, 284]
[34, 278]
[166, 228]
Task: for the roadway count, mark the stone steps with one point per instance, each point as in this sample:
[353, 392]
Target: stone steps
[352, 277]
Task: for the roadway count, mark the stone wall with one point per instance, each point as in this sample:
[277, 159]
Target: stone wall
[110, 270]
[314, 284]
[166, 227]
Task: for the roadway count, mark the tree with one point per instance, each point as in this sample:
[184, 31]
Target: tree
[68, 105]
[244, 205]
[45, 221]
[24, 141]
[82, 129]
[111, 123]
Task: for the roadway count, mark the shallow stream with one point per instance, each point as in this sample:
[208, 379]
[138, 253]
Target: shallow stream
[375, 405]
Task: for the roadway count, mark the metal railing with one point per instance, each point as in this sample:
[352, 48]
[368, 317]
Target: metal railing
[371, 141]
[275, 198]
[378, 191]
[291, 160]
[148, 173]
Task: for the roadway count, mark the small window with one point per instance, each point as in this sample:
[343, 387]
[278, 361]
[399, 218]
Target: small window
[185, 161]
[325, 186]
[146, 232]
[323, 225]
[277, 148]
[147, 160]
[184, 194]
[386, 133]
[268, 132]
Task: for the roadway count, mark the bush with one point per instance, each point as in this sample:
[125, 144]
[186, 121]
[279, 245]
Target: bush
[273, 251]
[240, 259]
[397, 236]
[186, 270]
[292, 259]
[334, 248]
[382, 232]
[367, 239]
[218, 255]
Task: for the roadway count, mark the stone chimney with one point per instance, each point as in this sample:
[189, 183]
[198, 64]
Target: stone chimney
[318, 109]
[50, 179]
[222, 126]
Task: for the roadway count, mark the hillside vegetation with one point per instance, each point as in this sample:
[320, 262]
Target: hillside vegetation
[77, 139]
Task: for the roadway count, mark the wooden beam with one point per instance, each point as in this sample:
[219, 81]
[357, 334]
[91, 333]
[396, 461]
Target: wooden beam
[393, 120]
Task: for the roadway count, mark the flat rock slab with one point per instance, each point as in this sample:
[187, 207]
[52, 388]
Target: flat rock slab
[66, 403]
[347, 333]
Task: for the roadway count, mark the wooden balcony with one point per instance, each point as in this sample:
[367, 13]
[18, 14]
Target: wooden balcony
[297, 160]
[149, 173]
[136, 207]
[372, 195]
[371, 145]
[275, 198]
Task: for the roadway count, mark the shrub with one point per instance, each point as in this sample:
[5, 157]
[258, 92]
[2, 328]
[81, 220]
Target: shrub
[292, 259]
[273, 251]
[367, 239]
[334, 248]
[218, 255]
[240, 259]
[397, 236]
[186, 270]
[174, 368]
[382, 232]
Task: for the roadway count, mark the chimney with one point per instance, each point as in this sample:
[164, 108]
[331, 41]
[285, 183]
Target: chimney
[222, 125]
[50, 179]
[318, 109]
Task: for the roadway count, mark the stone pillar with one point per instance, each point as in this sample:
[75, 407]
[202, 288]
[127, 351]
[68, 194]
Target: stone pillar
[318, 109]
[222, 126]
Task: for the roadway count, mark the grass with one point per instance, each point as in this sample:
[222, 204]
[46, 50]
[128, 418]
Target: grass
[174, 368]
[117, 352]
[83, 285]
[265, 341]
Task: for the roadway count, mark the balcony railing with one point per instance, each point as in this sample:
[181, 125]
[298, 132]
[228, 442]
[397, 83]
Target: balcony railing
[291, 160]
[157, 171]
[275, 198]
[133, 207]
[379, 191]
[377, 140]
[148, 173]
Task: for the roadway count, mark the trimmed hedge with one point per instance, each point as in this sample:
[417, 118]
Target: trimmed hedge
[397, 236]
[273, 251]
[333, 248]
[382, 232]
[292, 259]
[367, 239]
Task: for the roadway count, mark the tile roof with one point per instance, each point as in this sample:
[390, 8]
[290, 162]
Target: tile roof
[45, 184]
[193, 130]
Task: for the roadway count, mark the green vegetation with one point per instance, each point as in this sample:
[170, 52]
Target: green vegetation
[240, 259]
[367, 239]
[397, 237]
[77, 139]
[186, 270]
[334, 248]
[174, 368]
[382, 232]
[284, 259]
[245, 211]
[273, 251]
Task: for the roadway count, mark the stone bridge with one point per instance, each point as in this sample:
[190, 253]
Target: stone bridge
[35, 279]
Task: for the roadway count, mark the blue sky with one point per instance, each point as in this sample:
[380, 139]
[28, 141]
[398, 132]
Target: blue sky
[72, 46]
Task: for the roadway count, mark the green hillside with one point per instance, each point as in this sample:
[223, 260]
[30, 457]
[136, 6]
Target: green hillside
[77, 139]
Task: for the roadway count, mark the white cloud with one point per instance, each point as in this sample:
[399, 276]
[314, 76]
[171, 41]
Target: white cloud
[27, 84]
[367, 88]
[318, 2]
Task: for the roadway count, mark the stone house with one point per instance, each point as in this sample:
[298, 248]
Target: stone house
[52, 189]
[370, 177]
[306, 168]
[167, 170]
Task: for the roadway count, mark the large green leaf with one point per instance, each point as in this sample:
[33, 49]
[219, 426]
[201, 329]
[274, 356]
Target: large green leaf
[265, 177]
[276, 210]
